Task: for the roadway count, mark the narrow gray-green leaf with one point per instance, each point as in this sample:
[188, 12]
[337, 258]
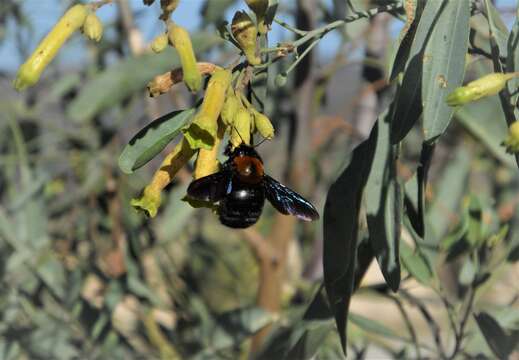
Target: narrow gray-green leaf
[340, 227]
[444, 66]
[308, 344]
[383, 206]
[408, 102]
[401, 55]
[416, 264]
[415, 191]
[495, 336]
[497, 26]
[152, 139]
[372, 326]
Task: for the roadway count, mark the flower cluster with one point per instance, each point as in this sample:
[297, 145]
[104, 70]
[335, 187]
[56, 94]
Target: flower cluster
[223, 109]
[78, 17]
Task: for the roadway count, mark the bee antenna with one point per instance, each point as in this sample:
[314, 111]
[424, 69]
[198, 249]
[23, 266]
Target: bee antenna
[235, 128]
[261, 142]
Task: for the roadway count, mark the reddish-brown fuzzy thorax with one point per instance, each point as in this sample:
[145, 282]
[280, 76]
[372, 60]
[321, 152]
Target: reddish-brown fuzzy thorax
[249, 169]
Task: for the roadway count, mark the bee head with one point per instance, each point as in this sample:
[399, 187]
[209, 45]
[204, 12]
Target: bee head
[241, 150]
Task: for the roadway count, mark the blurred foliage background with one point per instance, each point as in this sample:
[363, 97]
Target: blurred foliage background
[83, 275]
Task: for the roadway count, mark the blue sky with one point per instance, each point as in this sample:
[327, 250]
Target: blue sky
[44, 14]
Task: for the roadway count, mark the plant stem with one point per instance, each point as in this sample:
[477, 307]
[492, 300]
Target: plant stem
[409, 325]
[435, 329]
[320, 32]
[291, 28]
[461, 331]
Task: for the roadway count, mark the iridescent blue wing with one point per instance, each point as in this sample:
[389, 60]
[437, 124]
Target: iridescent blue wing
[211, 188]
[287, 201]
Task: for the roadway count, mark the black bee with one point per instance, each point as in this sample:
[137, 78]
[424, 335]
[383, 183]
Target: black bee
[241, 187]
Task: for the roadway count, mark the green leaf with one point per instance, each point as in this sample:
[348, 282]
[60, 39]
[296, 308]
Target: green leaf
[372, 326]
[234, 326]
[340, 226]
[468, 272]
[458, 234]
[318, 308]
[495, 336]
[414, 200]
[497, 26]
[126, 78]
[444, 66]
[152, 139]
[408, 101]
[404, 48]
[416, 264]
[384, 205]
[308, 344]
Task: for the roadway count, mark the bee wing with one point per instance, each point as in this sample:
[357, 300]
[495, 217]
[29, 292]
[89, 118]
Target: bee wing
[211, 188]
[287, 201]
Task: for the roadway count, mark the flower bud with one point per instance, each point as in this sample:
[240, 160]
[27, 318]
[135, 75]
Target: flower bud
[93, 28]
[201, 133]
[159, 43]
[180, 39]
[245, 33]
[511, 143]
[260, 9]
[488, 85]
[150, 200]
[240, 132]
[29, 73]
[230, 107]
[263, 124]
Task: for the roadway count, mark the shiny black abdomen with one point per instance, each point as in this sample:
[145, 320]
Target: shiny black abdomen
[242, 207]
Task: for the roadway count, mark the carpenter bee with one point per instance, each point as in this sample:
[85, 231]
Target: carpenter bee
[240, 188]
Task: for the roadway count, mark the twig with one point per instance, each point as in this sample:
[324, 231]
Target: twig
[433, 326]
[291, 28]
[97, 4]
[408, 324]
[320, 32]
[460, 333]
[162, 83]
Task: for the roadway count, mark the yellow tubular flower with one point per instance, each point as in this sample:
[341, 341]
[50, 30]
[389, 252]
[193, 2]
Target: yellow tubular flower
[245, 33]
[488, 85]
[201, 133]
[260, 9]
[159, 43]
[263, 124]
[93, 28]
[150, 200]
[240, 132]
[206, 162]
[179, 37]
[230, 107]
[29, 73]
